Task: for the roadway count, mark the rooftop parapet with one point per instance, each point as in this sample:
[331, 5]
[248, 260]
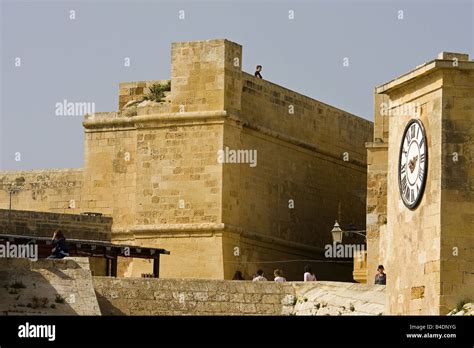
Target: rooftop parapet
[445, 60]
[207, 81]
[131, 94]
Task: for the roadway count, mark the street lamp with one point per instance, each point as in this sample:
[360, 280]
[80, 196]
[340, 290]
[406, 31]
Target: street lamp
[337, 233]
[13, 189]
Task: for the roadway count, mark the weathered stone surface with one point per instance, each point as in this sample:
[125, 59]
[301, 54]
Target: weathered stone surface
[48, 287]
[334, 298]
[427, 273]
[54, 190]
[43, 224]
[466, 309]
[249, 298]
[155, 170]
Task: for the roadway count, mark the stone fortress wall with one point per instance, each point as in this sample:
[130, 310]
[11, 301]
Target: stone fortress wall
[133, 296]
[154, 169]
[66, 287]
[247, 203]
[50, 190]
[43, 224]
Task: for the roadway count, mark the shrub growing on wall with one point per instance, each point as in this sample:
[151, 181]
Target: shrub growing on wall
[157, 92]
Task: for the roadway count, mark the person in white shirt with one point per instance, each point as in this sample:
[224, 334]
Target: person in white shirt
[308, 274]
[279, 276]
[259, 277]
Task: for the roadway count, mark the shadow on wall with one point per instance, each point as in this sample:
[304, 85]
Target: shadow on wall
[107, 307]
[46, 287]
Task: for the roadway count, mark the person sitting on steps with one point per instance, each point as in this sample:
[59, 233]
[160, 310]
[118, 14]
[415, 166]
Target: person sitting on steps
[60, 249]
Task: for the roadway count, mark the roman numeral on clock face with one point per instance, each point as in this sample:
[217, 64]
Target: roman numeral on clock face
[422, 158]
[404, 184]
[421, 173]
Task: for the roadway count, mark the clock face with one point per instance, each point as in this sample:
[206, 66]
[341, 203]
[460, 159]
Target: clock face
[412, 164]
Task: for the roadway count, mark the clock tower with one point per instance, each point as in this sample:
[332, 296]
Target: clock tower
[420, 213]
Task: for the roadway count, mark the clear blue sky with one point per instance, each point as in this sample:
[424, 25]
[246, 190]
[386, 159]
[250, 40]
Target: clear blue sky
[81, 60]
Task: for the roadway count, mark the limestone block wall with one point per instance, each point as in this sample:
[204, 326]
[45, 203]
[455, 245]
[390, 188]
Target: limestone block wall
[47, 287]
[174, 155]
[410, 248]
[428, 251]
[52, 190]
[382, 108]
[110, 173]
[135, 90]
[457, 188]
[429, 248]
[248, 252]
[209, 252]
[205, 75]
[178, 196]
[293, 193]
[194, 253]
[191, 297]
[360, 267]
[39, 288]
[330, 130]
[187, 202]
[42, 224]
[377, 164]
[180, 179]
[311, 170]
[156, 171]
[222, 297]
